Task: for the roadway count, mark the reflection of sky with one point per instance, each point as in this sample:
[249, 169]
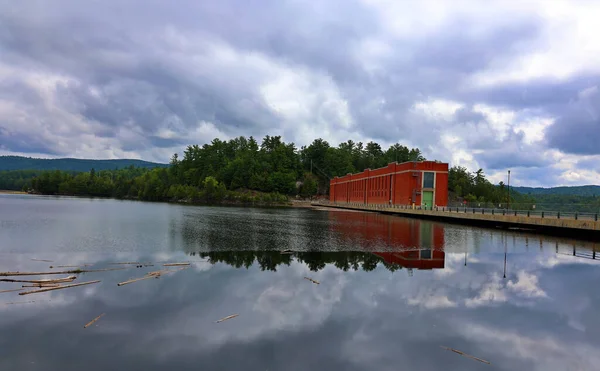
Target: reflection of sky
[540, 317]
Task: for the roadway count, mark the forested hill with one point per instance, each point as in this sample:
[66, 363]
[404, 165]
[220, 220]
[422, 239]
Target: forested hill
[242, 169]
[586, 191]
[70, 164]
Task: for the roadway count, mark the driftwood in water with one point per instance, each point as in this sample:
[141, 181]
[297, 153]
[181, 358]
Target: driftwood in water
[158, 273]
[155, 274]
[70, 266]
[42, 285]
[13, 290]
[93, 321]
[20, 302]
[175, 264]
[58, 288]
[137, 264]
[42, 260]
[48, 280]
[76, 271]
[226, 318]
[466, 355]
[311, 280]
[136, 280]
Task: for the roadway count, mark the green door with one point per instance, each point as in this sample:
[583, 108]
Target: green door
[427, 199]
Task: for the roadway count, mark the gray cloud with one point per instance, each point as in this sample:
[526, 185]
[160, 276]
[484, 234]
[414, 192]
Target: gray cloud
[590, 163]
[86, 77]
[578, 130]
[512, 152]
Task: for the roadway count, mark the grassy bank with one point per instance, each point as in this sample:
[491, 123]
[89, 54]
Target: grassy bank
[9, 192]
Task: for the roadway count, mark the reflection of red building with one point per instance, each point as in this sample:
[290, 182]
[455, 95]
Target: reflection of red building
[417, 259]
[424, 183]
[410, 243]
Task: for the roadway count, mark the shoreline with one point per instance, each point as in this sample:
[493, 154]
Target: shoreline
[9, 192]
[184, 202]
[292, 203]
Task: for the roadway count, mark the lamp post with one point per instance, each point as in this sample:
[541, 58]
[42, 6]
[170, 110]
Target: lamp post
[504, 261]
[505, 250]
[508, 207]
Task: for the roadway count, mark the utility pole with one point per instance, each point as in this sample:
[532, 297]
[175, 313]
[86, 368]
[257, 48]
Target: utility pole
[508, 189]
[311, 165]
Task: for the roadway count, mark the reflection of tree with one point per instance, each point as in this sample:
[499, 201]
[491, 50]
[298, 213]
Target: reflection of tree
[316, 261]
[218, 229]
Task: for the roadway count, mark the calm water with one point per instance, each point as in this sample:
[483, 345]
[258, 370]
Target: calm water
[392, 291]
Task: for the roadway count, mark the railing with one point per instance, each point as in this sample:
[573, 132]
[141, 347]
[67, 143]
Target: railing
[474, 210]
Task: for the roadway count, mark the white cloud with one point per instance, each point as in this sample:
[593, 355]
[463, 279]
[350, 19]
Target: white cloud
[543, 352]
[491, 292]
[438, 108]
[432, 302]
[533, 129]
[526, 285]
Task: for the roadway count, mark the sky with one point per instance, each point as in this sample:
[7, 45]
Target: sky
[496, 85]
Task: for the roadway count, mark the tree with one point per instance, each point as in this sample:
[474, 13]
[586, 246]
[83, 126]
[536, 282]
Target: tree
[237, 164]
[309, 186]
[213, 190]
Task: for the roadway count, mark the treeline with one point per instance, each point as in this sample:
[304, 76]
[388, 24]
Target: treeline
[276, 166]
[567, 203]
[143, 184]
[477, 191]
[70, 164]
[584, 191]
[238, 170]
[17, 180]
[243, 170]
[316, 261]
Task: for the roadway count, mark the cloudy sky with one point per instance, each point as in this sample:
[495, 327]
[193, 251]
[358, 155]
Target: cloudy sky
[495, 84]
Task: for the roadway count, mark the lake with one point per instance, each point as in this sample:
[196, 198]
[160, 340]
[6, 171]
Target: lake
[391, 291]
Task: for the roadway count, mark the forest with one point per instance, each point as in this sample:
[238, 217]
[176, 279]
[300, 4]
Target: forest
[584, 191]
[244, 170]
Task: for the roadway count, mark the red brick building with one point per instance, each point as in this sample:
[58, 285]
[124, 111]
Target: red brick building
[423, 183]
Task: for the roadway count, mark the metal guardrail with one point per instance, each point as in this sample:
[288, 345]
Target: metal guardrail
[472, 210]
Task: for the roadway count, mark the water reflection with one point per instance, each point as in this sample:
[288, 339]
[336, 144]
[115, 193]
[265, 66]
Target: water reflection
[362, 240]
[410, 243]
[521, 301]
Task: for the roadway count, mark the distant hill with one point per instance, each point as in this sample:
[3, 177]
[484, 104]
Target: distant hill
[70, 164]
[586, 191]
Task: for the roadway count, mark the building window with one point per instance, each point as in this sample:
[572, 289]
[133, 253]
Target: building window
[426, 254]
[428, 180]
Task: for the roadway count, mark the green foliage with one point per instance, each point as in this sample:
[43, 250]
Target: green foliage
[309, 186]
[327, 162]
[243, 171]
[17, 180]
[480, 192]
[583, 191]
[212, 189]
[70, 164]
[571, 203]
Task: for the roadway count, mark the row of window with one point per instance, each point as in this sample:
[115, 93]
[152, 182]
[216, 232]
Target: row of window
[380, 185]
[384, 182]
